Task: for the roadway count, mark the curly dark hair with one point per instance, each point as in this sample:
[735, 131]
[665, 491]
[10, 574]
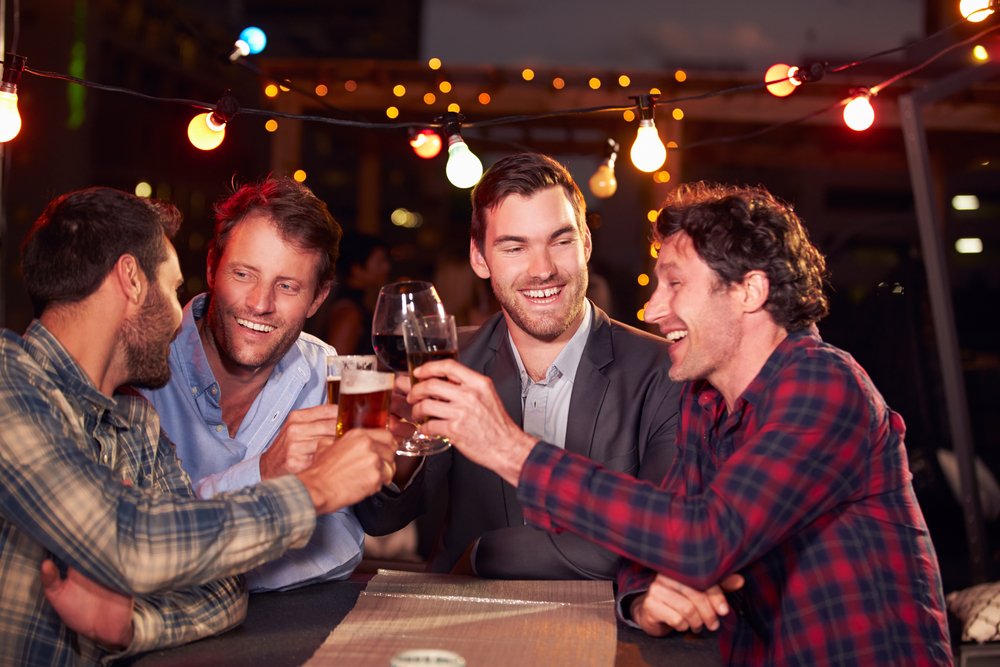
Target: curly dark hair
[737, 229]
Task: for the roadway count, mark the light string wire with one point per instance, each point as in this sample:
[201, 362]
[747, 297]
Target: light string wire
[874, 90]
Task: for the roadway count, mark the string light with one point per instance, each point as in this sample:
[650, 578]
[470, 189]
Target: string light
[975, 11]
[603, 182]
[859, 113]
[781, 80]
[426, 143]
[252, 40]
[207, 130]
[464, 169]
[648, 152]
[10, 118]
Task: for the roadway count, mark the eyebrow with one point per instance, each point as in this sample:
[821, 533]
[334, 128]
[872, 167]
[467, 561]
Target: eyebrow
[510, 238]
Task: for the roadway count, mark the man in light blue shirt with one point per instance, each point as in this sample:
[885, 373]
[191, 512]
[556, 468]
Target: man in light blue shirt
[243, 374]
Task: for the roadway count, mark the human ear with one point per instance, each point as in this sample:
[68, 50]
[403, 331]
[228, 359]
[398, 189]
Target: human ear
[756, 289]
[478, 262]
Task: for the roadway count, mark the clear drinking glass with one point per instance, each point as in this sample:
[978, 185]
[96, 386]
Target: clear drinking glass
[428, 338]
[396, 302]
[335, 365]
[364, 399]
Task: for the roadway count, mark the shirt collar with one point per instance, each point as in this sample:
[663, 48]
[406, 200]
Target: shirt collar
[758, 388]
[52, 356]
[567, 361]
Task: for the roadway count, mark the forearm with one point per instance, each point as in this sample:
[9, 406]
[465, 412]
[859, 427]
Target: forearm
[179, 617]
[334, 550]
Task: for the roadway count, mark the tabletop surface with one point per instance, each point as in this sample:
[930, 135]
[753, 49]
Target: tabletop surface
[285, 629]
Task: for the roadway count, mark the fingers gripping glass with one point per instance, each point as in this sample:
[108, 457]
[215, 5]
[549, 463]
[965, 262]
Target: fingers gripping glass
[427, 339]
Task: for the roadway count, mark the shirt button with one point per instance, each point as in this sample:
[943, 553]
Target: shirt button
[194, 390]
[219, 428]
[215, 390]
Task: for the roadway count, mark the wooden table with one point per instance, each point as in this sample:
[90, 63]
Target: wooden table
[285, 629]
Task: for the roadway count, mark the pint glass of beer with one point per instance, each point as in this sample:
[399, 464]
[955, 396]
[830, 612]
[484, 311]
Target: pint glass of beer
[364, 399]
[335, 365]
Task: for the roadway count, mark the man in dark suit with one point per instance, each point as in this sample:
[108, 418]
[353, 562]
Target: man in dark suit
[565, 371]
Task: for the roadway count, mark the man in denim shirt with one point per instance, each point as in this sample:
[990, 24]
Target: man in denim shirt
[244, 375]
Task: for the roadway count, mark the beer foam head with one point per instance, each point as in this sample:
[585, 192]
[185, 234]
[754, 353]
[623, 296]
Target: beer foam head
[357, 381]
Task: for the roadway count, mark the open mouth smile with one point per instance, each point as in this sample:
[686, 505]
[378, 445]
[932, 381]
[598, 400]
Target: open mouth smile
[255, 326]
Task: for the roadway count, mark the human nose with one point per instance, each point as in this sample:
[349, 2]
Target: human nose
[541, 265]
[657, 308]
[260, 299]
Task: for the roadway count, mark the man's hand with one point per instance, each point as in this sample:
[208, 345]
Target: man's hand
[351, 469]
[669, 604]
[304, 432]
[463, 406]
[88, 608]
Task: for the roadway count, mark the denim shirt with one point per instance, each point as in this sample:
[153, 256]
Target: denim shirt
[191, 414]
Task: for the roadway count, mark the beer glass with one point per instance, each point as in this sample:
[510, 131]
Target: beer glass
[428, 338]
[364, 399]
[336, 363]
[396, 302]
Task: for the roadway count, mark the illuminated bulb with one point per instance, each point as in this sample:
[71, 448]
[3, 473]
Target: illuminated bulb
[980, 53]
[780, 79]
[464, 169]
[255, 39]
[206, 132]
[426, 144]
[603, 183]
[10, 119]
[975, 10]
[648, 152]
[859, 114]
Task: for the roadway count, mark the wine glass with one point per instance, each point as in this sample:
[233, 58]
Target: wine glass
[396, 303]
[427, 338]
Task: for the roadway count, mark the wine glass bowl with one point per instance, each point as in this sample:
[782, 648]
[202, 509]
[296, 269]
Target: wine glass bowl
[396, 302]
[427, 338]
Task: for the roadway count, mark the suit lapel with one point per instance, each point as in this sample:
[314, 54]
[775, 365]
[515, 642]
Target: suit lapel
[589, 387]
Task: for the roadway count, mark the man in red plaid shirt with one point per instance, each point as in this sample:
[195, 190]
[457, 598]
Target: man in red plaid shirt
[790, 469]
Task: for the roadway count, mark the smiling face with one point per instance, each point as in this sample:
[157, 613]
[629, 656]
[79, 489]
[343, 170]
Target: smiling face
[697, 314]
[262, 291]
[536, 256]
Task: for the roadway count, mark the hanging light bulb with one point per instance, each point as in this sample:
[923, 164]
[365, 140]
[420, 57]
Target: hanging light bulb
[648, 153]
[252, 40]
[426, 143]
[464, 169]
[859, 113]
[603, 183]
[975, 10]
[207, 130]
[782, 79]
[10, 118]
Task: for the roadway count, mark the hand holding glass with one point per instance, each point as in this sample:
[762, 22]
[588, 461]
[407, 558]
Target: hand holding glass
[427, 339]
[364, 399]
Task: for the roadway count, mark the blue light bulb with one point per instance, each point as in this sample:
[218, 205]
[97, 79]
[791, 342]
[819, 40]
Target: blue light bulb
[255, 38]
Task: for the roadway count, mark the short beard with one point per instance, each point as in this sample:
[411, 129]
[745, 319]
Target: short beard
[147, 338]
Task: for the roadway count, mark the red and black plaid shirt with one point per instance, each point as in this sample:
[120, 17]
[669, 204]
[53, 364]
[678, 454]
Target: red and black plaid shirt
[803, 488]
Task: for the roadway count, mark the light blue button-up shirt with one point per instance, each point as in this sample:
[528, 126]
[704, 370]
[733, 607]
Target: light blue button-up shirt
[191, 415]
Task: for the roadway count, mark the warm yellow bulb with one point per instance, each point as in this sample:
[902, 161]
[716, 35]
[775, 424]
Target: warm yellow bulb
[648, 152]
[399, 90]
[652, 215]
[299, 175]
[10, 119]
[975, 10]
[484, 98]
[594, 83]
[454, 107]
[779, 79]
[558, 83]
[204, 133]
[143, 189]
[629, 115]
[980, 53]
[527, 74]
[430, 98]
[603, 182]
[445, 87]
[271, 125]
[680, 76]
[624, 81]
[271, 90]
[392, 112]
[350, 85]
[859, 113]
[642, 279]
[434, 63]
[322, 90]
[678, 114]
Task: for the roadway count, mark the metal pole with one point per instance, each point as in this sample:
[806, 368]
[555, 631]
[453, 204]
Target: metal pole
[932, 245]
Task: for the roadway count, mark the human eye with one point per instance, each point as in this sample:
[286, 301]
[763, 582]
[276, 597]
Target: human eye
[511, 249]
[241, 274]
[288, 287]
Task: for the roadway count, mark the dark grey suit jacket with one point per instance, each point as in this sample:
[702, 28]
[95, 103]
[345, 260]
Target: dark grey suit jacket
[622, 414]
